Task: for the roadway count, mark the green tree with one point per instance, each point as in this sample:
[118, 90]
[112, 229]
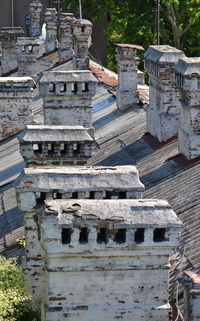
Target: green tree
[15, 305]
[135, 22]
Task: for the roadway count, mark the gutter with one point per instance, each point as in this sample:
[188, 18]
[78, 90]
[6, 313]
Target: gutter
[12, 13]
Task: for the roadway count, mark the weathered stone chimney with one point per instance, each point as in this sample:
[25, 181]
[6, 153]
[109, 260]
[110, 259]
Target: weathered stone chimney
[82, 31]
[114, 255]
[15, 104]
[44, 145]
[187, 78]
[163, 112]
[67, 98]
[34, 185]
[127, 62]
[191, 284]
[65, 36]
[27, 49]
[8, 38]
[35, 9]
[51, 18]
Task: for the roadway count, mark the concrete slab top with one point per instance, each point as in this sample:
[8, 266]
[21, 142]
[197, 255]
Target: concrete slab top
[144, 213]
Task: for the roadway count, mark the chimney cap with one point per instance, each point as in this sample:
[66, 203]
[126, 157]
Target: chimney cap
[124, 45]
[80, 76]
[163, 54]
[16, 82]
[188, 66]
[25, 41]
[47, 133]
[11, 32]
[82, 23]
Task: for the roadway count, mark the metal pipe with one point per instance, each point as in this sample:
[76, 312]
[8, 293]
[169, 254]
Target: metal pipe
[80, 9]
[158, 22]
[12, 13]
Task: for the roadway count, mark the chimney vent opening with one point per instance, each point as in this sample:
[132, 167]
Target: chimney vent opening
[83, 237]
[159, 235]
[139, 235]
[102, 236]
[66, 235]
[120, 236]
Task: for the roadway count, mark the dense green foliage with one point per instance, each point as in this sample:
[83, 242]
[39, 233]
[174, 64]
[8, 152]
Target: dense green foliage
[15, 305]
[135, 22]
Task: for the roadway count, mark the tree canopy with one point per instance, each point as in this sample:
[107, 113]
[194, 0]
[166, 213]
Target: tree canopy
[135, 22]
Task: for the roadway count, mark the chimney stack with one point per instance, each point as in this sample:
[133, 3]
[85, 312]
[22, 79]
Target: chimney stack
[187, 78]
[35, 9]
[127, 62]
[191, 285]
[15, 104]
[46, 145]
[27, 49]
[65, 36]
[67, 98]
[163, 113]
[8, 38]
[50, 18]
[82, 31]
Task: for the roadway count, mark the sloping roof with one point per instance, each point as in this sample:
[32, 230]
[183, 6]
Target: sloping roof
[121, 140]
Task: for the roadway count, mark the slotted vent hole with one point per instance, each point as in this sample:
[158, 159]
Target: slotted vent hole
[102, 236]
[139, 235]
[83, 237]
[66, 235]
[159, 235]
[120, 236]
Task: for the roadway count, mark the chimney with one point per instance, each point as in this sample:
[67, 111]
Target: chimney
[35, 9]
[163, 112]
[45, 145]
[82, 31]
[67, 98]
[191, 285]
[127, 62]
[114, 255]
[187, 78]
[15, 104]
[50, 18]
[65, 36]
[27, 49]
[8, 38]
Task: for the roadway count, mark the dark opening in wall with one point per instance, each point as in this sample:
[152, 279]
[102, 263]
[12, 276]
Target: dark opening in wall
[159, 235]
[84, 87]
[40, 199]
[120, 236]
[139, 235]
[83, 237]
[58, 196]
[63, 148]
[76, 150]
[75, 195]
[108, 195]
[62, 87]
[37, 148]
[52, 88]
[66, 235]
[50, 149]
[82, 29]
[74, 88]
[122, 195]
[102, 236]
[91, 196]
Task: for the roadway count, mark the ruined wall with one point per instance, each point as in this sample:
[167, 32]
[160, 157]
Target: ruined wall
[15, 104]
